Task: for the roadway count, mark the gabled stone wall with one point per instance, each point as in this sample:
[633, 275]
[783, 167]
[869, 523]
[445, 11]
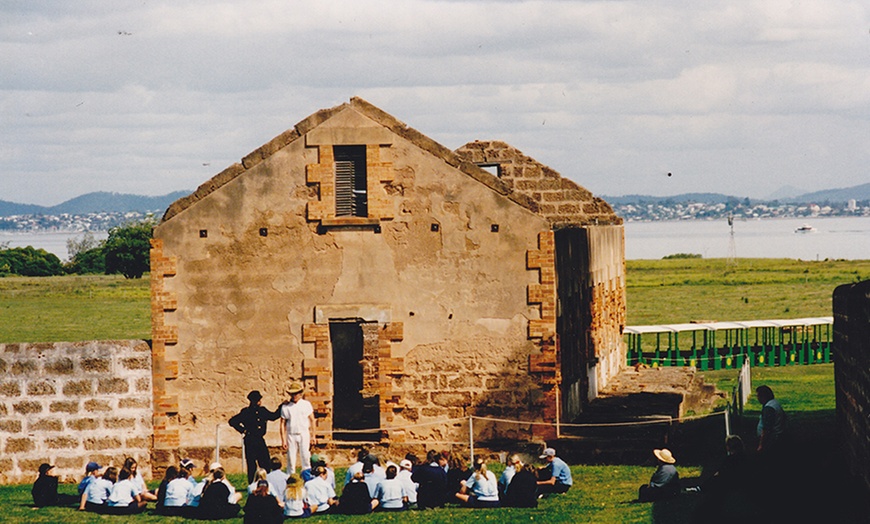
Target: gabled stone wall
[67, 403]
[560, 200]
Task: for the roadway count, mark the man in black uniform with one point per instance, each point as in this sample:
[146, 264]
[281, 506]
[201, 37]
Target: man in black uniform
[251, 422]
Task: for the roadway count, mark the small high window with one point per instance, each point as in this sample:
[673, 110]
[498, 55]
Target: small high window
[493, 169]
[351, 198]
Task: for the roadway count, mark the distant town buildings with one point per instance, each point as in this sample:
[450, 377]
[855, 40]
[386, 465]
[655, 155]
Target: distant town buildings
[668, 210]
[662, 209]
[72, 222]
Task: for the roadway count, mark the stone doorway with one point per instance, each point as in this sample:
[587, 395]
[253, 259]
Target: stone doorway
[356, 406]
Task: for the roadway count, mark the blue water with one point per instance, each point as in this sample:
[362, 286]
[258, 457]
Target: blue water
[834, 238]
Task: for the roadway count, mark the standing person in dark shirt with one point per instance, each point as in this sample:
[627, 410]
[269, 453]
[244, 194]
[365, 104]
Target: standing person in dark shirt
[251, 422]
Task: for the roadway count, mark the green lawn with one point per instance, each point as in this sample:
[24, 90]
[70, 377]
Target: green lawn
[681, 290]
[600, 494]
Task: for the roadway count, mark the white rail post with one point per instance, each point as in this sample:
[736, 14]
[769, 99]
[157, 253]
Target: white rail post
[471, 436]
[217, 443]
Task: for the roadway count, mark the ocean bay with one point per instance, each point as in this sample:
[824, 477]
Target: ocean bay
[831, 238]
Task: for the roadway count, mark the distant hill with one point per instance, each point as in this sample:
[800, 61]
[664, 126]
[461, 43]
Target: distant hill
[99, 202]
[861, 192]
[706, 198]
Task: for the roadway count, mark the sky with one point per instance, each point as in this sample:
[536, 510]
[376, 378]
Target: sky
[147, 97]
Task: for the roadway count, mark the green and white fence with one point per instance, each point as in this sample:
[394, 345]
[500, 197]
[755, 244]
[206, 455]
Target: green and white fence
[727, 345]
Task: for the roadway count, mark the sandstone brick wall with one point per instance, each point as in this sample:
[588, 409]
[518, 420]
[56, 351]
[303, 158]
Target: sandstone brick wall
[561, 201]
[70, 402]
[852, 375]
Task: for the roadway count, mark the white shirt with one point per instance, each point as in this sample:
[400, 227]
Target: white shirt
[278, 479]
[98, 491]
[485, 488]
[390, 492]
[177, 492]
[295, 507]
[295, 415]
[404, 477]
[123, 493]
[319, 493]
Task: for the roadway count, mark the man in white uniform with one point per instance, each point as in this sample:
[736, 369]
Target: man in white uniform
[297, 431]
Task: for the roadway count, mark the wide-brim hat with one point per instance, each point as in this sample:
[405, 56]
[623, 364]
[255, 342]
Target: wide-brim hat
[664, 455]
[294, 388]
[255, 396]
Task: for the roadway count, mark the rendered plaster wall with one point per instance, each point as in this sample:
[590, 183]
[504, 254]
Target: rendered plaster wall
[852, 377]
[67, 403]
[459, 289]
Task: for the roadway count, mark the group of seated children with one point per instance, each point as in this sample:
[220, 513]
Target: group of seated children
[274, 495]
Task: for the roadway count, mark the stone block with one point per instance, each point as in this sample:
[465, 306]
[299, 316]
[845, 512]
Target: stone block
[10, 426]
[467, 381]
[78, 388]
[19, 445]
[3, 366]
[61, 366]
[134, 403]
[451, 399]
[96, 406]
[96, 365]
[10, 389]
[64, 406]
[137, 363]
[119, 423]
[83, 424]
[41, 388]
[62, 443]
[30, 466]
[144, 384]
[24, 367]
[70, 463]
[3, 410]
[97, 444]
[46, 424]
[112, 385]
[6, 464]
[27, 407]
[138, 442]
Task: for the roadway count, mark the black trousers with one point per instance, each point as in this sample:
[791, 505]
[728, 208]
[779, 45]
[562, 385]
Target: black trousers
[256, 453]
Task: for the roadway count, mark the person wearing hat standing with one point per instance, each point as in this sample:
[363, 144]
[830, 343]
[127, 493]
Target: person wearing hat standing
[559, 480]
[665, 482]
[297, 430]
[251, 422]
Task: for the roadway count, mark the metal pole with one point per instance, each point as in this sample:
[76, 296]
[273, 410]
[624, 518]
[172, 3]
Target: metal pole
[558, 412]
[217, 443]
[728, 421]
[471, 436]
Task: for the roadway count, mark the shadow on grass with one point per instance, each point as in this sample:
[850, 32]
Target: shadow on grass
[811, 483]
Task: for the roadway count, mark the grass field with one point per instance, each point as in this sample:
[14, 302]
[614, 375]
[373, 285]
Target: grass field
[681, 290]
[100, 307]
[607, 493]
[664, 291]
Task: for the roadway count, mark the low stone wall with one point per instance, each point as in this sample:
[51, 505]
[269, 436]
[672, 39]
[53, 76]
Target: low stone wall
[70, 402]
[852, 376]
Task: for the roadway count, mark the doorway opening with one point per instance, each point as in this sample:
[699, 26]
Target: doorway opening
[355, 406]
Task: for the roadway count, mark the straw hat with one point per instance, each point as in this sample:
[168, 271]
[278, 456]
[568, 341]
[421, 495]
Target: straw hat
[295, 387]
[664, 455]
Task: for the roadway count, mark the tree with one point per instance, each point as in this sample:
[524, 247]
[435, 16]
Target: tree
[86, 255]
[128, 249]
[29, 262]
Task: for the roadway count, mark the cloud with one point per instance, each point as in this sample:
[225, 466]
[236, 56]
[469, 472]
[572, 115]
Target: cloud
[740, 98]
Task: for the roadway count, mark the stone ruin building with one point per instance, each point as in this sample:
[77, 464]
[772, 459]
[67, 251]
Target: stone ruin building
[408, 285]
